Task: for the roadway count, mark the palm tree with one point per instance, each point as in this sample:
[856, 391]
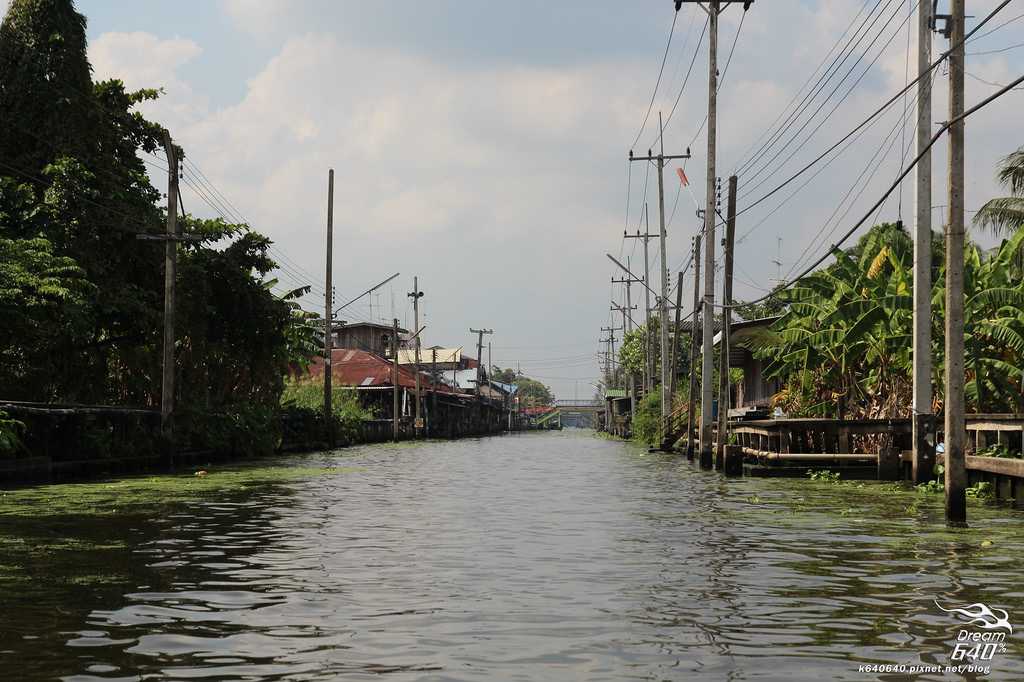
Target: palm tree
[1003, 215]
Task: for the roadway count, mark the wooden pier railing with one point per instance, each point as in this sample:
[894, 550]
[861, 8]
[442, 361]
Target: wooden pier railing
[858, 446]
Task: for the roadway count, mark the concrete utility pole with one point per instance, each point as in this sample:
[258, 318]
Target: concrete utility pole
[661, 158]
[170, 278]
[956, 435]
[329, 314]
[691, 407]
[630, 306]
[433, 392]
[675, 344]
[626, 319]
[723, 363]
[480, 354]
[707, 366]
[394, 379]
[609, 356]
[170, 239]
[416, 295]
[923, 459]
[648, 356]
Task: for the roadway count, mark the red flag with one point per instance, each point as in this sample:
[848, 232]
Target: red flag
[682, 177]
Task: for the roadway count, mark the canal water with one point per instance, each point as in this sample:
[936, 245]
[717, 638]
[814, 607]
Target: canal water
[545, 556]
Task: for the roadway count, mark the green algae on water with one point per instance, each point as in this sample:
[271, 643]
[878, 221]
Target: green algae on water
[118, 496]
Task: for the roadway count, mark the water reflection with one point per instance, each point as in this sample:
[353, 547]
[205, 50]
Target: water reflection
[534, 557]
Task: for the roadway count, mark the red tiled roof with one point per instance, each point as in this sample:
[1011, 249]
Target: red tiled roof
[360, 368]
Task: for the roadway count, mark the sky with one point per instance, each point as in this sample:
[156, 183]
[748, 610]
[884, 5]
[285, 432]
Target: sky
[482, 145]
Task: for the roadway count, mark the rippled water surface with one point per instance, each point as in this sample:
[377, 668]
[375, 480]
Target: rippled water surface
[554, 556]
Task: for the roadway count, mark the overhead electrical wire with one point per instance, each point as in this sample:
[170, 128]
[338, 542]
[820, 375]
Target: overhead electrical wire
[819, 85]
[657, 83]
[758, 141]
[892, 188]
[767, 164]
[871, 117]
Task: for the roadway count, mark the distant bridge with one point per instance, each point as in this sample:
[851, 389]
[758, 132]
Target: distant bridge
[580, 413]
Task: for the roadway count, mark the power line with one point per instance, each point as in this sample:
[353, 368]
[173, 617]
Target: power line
[834, 68]
[1005, 23]
[892, 188]
[987, 82]
[1003, 49]
[821, 106]
[657, 83]
[874, 114]
[686, 79]
[743, 157]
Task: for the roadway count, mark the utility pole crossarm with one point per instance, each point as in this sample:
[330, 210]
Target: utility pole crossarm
[170, 237]
[658, 157]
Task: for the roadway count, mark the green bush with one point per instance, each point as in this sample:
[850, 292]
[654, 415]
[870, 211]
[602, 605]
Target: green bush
[303, 402]
[647, 420]
[10, 432]
[244, 429]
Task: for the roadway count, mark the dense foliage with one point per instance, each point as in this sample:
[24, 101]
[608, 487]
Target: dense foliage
[531, 392]
[844, 343]
[303, 401]
[81, 297]
[647, 420]
[631, 352]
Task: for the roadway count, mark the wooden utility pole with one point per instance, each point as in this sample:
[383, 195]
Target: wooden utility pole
[416, 295]
[394, 379]
[661, 158]
[648, 356]
[170, 278]
[923, 458]
[691, 406]
[329, 314]
[956, 435]
[723, 363]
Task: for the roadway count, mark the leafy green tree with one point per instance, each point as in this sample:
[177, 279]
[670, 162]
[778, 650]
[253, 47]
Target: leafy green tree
[843, 344]
[505, 376]
[81, 297]
[647, 420]
[770, 307]
[533, 393]
[37, 289]
[1004, 215]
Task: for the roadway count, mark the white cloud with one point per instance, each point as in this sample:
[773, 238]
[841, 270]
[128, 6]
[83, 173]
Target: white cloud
[501, 183]
[142, 60]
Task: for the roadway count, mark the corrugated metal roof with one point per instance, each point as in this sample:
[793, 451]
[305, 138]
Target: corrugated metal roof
[364, 369]
[408, 357]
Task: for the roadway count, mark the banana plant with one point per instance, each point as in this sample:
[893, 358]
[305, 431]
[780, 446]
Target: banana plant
[844, 343]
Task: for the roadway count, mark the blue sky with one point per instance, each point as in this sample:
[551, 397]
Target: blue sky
[482, 145]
